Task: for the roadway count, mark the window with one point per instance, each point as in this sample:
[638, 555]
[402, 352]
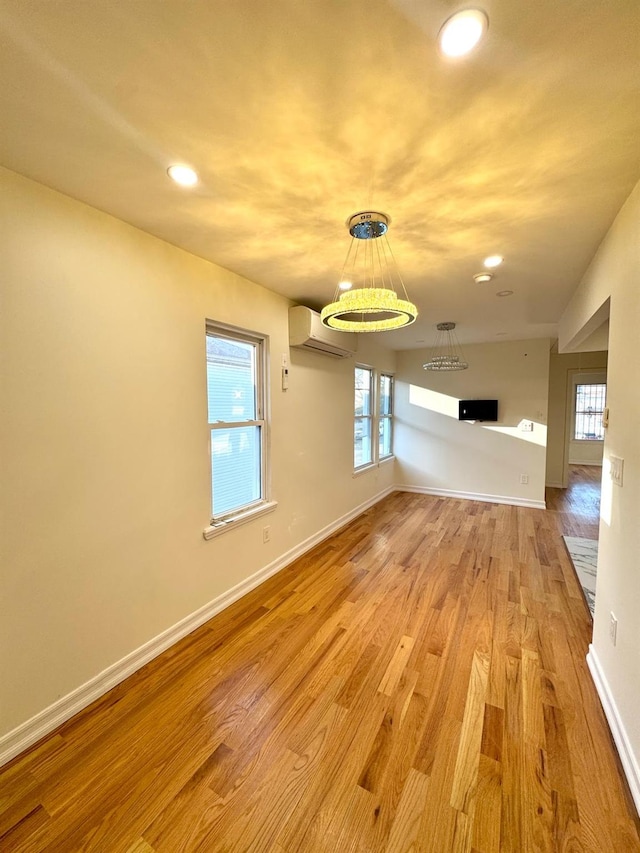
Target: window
[363, 447]
[590, 402]
[385, 414]
[236, 416]
[373, 415]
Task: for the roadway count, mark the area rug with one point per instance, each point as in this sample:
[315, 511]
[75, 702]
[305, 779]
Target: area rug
[584, 556]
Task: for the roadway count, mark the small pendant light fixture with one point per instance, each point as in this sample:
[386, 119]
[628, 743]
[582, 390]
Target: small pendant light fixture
[371, 304]
[447, 352]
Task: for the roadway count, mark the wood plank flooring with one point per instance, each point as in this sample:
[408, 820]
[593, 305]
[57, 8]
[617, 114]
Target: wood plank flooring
[415, 683]
[578, 506]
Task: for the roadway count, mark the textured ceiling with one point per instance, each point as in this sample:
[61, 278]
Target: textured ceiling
[298, 113]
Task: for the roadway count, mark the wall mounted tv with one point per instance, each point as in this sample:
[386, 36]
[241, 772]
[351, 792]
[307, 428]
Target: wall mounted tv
[478, 410]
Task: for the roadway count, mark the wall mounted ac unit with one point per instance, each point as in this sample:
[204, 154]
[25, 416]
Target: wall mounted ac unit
[307, 332]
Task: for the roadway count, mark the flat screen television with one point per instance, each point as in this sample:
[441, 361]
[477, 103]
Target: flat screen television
[478, 410]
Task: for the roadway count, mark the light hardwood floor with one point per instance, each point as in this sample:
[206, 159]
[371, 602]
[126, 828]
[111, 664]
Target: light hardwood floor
[578, 506]
[416, 683]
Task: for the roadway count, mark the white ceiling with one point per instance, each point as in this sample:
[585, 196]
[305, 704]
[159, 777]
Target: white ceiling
[298, 113]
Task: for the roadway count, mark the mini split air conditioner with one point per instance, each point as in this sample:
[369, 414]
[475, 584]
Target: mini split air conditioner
[307, 332]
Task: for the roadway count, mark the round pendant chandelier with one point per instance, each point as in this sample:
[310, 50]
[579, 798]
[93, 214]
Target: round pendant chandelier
[447, 352]
[366, 298]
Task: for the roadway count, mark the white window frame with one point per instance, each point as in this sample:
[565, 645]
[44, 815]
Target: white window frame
[388, 417]
[246, 512]
[370, 417]
[374, 418]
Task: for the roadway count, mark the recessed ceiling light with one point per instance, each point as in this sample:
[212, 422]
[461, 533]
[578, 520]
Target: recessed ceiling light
[183, 175]
[504, 293]
[462, 32]
[482, 277]
[493, 261]
[345, 285]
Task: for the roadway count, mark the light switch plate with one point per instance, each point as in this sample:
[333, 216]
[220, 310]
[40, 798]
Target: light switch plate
[616, 467]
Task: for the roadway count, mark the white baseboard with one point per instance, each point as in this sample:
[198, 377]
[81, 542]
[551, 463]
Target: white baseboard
[628, 759]
[31, 731]
[555, 486]
[473, 496]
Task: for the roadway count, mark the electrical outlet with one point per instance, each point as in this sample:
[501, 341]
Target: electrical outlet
[266, 533]
[524, 479]
[613, 628]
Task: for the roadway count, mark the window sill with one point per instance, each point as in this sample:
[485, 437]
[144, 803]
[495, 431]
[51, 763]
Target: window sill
[222, 526]
[372, 466]
[364, 469]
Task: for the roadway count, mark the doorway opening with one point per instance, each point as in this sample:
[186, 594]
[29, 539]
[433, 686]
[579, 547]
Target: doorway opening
[576, 438]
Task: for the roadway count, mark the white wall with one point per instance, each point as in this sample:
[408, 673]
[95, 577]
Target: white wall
[586, 453]
[105, 481]
[597, 341]
[615, 273]
[436, 451]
